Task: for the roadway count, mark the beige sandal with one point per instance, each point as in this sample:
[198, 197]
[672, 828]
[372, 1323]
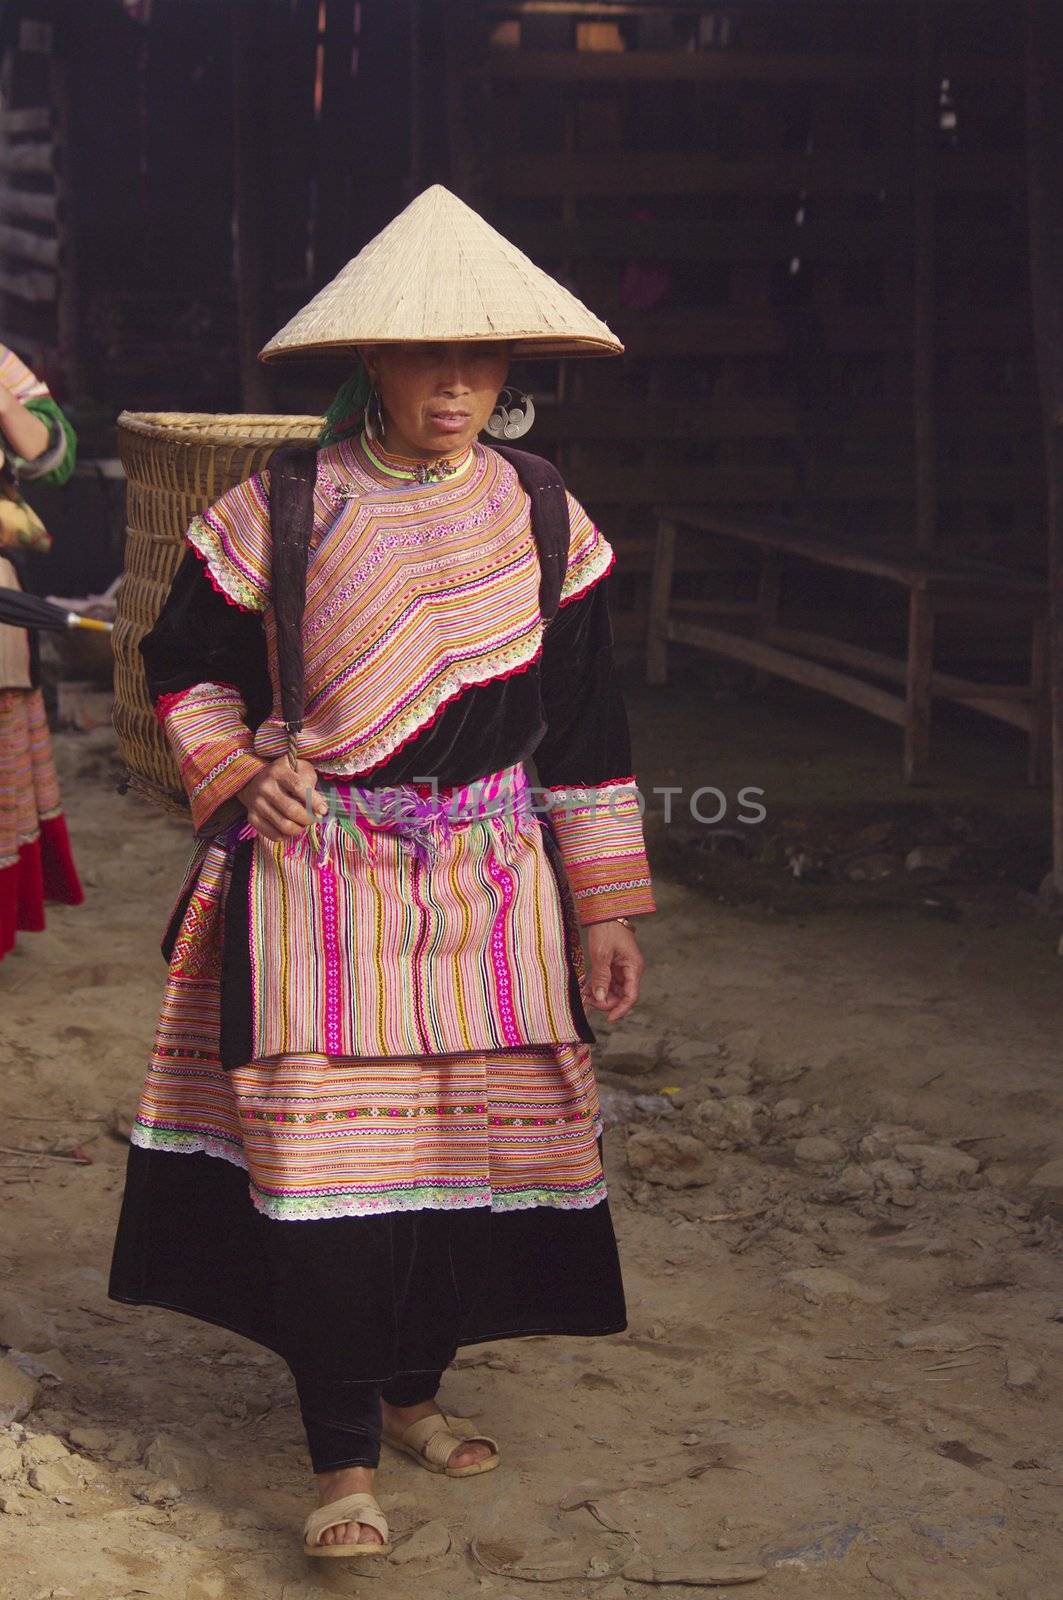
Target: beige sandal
[433, 1440]
[352, 1508]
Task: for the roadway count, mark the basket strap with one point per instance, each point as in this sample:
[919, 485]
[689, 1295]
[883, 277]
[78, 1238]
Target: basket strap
[292, 475]
[550, 524]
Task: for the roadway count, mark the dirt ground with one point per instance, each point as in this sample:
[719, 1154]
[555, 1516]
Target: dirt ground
[831, 1149]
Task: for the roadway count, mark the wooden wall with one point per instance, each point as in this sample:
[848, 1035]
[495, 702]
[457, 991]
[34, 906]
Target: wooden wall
[37, 310]
[807, 223]
[805, 218]
[141, 150]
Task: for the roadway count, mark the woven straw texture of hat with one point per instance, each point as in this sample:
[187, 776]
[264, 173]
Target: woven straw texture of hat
[440, 272]
[177, 463]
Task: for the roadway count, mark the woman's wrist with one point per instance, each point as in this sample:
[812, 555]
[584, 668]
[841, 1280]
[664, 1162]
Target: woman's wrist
[609, 922]
[25, 434]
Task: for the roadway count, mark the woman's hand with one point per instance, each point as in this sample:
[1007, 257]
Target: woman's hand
[616, 968]
[276, 799]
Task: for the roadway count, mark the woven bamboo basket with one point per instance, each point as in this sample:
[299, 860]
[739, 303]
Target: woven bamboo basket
[177, 463]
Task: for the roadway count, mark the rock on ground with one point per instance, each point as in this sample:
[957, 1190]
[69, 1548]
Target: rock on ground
[23, 1326]
[674, 1160]
[741, 1049]
[825, 1282]
[1021, 1374]
[1047, 1184]
[939, 1166]
[692, 1570]
[45, 1364]
[171, 1460]
[429, 1542]
[208, 1586]
[817, 1150]
[882, 1139]
[894, 1174]
[160, 1492]
[908, 1578]
[852, 1183]
[54, 1478]
[932, 860]
[18, 1393]
[728, 1124]
[10, 1459]
[731, 1083]
[941, 1336]
[45, 1447]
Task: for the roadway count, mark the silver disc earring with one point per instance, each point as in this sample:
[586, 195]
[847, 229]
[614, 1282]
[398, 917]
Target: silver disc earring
[513, 415]
[373, 417]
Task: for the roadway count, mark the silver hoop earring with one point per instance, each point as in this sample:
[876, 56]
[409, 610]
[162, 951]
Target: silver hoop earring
[373, 416]
[513, 415]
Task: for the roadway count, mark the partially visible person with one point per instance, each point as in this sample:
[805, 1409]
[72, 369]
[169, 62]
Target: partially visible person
[36, 443]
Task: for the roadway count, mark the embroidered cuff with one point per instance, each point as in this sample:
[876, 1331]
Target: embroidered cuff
[209, 736]
[599, 834]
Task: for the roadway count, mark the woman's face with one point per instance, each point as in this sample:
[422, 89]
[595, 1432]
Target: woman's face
[436, 397]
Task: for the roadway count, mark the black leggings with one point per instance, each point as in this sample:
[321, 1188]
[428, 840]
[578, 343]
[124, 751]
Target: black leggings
[343, 1421]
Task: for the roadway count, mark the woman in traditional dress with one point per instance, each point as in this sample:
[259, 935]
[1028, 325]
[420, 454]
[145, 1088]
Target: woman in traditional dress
[38, 445]
[369, 1132]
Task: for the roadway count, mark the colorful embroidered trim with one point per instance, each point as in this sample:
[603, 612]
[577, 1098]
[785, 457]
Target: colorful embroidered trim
[409, 471]
[415, 1197]
[349, 1137]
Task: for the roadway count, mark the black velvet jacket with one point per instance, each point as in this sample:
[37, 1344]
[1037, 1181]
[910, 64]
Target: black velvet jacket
[565, 708]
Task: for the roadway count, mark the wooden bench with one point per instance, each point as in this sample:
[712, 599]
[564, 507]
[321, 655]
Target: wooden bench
[934, 586]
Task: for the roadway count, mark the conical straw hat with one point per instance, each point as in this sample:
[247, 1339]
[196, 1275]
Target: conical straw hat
[440, 272]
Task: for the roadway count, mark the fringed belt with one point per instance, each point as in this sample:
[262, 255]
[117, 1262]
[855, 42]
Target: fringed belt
[421, 816]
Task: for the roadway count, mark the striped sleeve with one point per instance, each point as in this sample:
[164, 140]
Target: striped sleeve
[584, 758]
[599, 833]
[208, 676]
[208, 733]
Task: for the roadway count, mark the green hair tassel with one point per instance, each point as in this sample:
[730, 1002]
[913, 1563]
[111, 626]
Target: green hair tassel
[344, 416]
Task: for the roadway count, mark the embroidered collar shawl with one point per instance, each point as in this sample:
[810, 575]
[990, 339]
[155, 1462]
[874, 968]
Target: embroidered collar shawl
[414, 594]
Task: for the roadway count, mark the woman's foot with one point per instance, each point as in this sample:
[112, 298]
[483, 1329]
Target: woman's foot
[333, 1486]
[398, 1418]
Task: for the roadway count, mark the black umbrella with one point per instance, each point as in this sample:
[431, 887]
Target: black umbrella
[30, 611]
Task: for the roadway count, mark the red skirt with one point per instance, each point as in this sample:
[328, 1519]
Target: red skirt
[35, 859]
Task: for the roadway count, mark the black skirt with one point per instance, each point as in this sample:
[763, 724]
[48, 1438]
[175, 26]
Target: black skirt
[361, 1298]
